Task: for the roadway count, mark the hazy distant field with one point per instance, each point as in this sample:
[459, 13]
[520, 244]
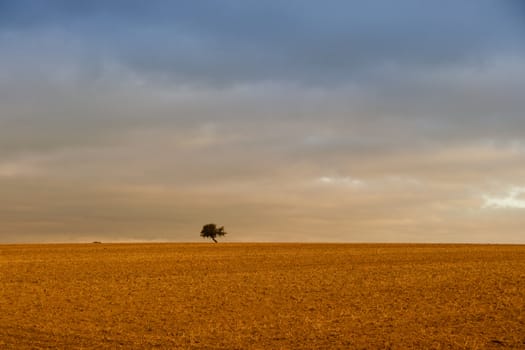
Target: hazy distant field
[262, 296]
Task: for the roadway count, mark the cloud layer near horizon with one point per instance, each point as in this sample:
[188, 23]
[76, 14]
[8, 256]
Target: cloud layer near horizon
[295, 121]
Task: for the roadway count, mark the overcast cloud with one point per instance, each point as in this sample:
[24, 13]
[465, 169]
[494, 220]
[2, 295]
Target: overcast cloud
[284, 121]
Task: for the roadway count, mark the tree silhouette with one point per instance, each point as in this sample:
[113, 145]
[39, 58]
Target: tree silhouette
[212, 231]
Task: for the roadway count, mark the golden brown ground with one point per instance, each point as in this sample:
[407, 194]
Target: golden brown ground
[262, 296]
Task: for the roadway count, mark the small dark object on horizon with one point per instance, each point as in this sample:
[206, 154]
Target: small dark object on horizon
[97, 242]
[212, 231]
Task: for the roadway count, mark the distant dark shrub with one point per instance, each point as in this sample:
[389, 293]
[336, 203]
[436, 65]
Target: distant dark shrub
[212, 231]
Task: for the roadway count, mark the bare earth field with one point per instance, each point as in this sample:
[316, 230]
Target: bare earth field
[262, 296]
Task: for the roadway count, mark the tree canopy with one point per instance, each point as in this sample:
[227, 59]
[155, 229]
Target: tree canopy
[212, 231]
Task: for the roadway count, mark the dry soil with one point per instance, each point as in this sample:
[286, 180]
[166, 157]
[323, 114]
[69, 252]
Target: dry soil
[262, 296]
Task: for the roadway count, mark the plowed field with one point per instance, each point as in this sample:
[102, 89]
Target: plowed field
[262, 296]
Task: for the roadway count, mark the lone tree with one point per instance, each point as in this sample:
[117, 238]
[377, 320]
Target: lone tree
[212, 231]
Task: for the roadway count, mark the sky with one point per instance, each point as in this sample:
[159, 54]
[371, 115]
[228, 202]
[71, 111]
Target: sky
[297, 120]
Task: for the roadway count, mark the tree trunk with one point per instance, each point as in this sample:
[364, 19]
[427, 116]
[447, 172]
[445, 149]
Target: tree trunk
[214, 239]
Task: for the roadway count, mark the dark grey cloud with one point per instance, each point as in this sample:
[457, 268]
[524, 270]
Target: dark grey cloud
[225, 42]
[134, 119]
